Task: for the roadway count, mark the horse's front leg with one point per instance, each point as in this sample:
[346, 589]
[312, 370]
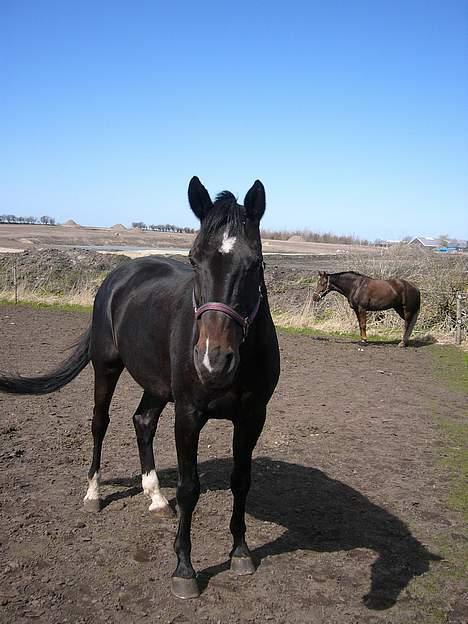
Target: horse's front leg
[188, 424]
[246, 432]
[145, 421]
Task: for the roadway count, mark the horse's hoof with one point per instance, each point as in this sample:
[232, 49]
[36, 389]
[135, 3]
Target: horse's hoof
[163, 512]
[92, 505]
[402, 344]
[184, 588]
[242, 565]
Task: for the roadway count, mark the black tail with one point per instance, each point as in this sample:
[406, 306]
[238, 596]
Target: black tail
[56, 379]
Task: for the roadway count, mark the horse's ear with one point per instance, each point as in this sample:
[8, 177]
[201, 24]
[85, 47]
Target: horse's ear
[199, 198]
[254, 202]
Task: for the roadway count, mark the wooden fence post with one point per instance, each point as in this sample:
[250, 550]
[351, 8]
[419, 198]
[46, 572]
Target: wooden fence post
[458, 328]
[15, 281]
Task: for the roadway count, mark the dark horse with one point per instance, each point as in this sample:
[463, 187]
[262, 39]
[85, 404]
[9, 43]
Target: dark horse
[201, 337]
[365, 293]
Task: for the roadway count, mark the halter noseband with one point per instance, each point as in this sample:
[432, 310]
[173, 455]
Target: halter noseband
[244, 321]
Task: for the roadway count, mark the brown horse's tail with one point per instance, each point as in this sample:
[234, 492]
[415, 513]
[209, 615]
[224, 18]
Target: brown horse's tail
[418, 299]
[414, 305]
[412, 322]
[56, 379]
[417, 303]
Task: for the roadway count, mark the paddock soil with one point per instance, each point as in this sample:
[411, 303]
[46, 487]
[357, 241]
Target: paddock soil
[348, 514]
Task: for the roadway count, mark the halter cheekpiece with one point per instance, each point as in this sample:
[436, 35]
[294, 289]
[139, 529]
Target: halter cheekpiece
[215, 306]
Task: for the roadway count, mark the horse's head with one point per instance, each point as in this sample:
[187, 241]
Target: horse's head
[323, 286]
[226, 257]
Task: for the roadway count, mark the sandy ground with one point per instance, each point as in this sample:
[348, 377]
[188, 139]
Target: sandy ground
[346, 515]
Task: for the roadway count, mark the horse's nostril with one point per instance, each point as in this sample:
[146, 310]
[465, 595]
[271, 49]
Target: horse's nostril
[230, 361]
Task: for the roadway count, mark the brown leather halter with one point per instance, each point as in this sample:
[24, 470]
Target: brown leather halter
[215, 306]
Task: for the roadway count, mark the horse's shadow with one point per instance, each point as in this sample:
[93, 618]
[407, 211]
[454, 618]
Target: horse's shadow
[415, 343]
[319, 514]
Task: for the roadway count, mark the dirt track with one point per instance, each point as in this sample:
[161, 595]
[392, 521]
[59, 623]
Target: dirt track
[346, 513]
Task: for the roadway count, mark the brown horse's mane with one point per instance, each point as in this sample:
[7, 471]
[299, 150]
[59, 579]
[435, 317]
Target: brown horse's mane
[348, 272]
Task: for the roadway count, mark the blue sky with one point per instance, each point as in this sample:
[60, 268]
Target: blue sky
[354, 113]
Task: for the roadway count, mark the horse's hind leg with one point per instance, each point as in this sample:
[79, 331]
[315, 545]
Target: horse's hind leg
[105, 380]
[145, 421]
[410, 317]
[246, 433]
[362, 320]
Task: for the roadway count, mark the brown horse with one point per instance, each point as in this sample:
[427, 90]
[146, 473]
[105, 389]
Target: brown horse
[365, 293]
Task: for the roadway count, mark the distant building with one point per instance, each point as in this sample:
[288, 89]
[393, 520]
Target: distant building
[386, 243]
[438, 244]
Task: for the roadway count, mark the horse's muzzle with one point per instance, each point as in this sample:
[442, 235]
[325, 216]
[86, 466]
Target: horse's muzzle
[216, 368]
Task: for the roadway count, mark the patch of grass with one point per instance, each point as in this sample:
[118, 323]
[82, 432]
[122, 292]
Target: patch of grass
[69, 307]
[448, 576]
[451, 368]
[310, 331]
[430, 589]
[456, 460]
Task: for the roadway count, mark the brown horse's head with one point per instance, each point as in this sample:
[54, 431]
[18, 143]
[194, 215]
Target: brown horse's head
[226, 257]
[323, 286]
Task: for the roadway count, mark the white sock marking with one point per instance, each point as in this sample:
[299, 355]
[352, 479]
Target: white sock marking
[93, 487]
[206, 358]
[227, 244]
[150, 484]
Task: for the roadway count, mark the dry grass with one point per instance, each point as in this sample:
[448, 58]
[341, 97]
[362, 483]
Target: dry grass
[73, 277]
[55, 276]
[84, 296]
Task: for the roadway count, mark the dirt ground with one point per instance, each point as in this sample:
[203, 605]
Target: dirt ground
[348, 515]
[16, 237]
[32, 236]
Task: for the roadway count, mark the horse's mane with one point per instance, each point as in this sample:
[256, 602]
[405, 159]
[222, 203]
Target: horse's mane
[348, 272]
[225, 213]
[225, 198]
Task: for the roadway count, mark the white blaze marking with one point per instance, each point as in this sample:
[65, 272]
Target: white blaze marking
[93, 487]
[227, 244]
[206, 357]
[150, 484]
